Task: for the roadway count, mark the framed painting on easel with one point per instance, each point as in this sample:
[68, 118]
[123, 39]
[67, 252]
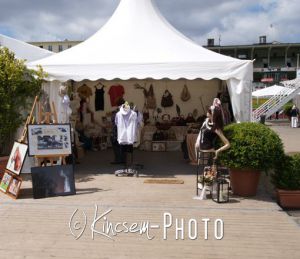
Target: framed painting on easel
[49, 139]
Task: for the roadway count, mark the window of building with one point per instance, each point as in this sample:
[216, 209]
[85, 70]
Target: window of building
[50, 47]
[69, 46]
[265, 62]
[60, 48]
[262, 39]
[242, 56]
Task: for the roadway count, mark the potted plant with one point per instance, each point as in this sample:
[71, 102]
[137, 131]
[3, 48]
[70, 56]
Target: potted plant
[253, 148]
[18, 86]
[286, 179]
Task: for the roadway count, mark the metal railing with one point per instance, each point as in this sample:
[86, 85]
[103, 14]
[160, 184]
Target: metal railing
[292, 88]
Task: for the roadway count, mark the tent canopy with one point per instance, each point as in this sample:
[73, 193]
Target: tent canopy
[268, 91]
[24, 50]
[138, 43]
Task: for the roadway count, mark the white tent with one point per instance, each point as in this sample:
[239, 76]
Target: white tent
[138, 43]
[23, 50]
[268, 91]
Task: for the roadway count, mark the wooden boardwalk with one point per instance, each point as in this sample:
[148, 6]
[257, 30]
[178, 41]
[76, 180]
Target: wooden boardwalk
[253, 228]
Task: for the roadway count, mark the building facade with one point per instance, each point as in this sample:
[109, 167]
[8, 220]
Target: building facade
[55, 46]
[274, 62]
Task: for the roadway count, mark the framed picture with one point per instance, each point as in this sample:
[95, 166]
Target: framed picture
[51, 181]
[17, 158]
[7, 177]
[14, 187]
[49, 139]
[159, 146]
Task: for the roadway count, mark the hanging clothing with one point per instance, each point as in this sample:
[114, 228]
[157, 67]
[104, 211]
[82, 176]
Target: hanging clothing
[206, 137]
[116, 92]
[85, 91]
[99, 99]
[126, 121]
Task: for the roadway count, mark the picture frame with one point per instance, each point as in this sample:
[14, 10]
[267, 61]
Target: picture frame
[51, 181]
[5, 181]
[49, 139]
[14, 187]
[159, 146]
[17, 157]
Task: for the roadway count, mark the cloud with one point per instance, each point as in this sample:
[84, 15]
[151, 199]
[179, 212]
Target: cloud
[234, 21]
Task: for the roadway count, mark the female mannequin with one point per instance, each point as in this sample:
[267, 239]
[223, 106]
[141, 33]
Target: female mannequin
[211, 129]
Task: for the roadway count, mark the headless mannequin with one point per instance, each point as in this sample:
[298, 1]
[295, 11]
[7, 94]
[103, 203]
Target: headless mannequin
[126, 121]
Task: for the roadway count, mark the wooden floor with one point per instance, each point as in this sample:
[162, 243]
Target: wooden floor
[253, 228]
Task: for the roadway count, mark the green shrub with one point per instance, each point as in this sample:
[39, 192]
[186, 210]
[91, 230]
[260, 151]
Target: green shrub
[252, 146]
[287, 176]
[287, 108]
[18, 86]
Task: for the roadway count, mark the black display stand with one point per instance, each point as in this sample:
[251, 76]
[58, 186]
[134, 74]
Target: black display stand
[129, 168]
[204, 158]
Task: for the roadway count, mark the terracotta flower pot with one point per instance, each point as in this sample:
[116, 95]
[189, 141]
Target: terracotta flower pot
[288, 199]
[3, 163]
[244, 182]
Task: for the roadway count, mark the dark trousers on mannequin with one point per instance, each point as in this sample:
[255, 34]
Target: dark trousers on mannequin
[127, 151]
[118, 153]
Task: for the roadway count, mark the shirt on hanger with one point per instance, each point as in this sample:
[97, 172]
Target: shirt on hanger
[85, 91]
[116, 92]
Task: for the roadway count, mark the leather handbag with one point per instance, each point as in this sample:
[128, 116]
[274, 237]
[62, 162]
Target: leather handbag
[185, 94]
[167, 99]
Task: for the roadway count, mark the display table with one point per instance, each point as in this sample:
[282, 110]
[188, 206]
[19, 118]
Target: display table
[171, 145]
[166, 145]
[190, 142]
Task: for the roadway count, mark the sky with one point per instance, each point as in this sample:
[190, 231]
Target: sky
[231, 22]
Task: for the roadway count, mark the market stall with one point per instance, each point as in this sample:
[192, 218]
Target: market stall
[137, 48]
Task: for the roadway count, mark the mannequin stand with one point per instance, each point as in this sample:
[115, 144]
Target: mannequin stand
[129, 168]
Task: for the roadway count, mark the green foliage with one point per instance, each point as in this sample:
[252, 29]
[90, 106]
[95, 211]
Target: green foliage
[252, 146]
[18, 85]
[287, 109]
[258, 102]
[287, 176]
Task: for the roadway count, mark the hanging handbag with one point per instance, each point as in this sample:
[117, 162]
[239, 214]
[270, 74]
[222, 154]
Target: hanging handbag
[185, 94]
[167, 99]
[150, 99]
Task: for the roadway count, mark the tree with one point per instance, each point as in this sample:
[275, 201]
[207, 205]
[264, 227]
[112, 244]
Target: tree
[18, 86]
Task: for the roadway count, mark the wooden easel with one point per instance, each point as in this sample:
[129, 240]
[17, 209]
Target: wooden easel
[29, 120]
[48, 118]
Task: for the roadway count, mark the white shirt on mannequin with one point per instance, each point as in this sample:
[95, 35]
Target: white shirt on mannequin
[126, 121]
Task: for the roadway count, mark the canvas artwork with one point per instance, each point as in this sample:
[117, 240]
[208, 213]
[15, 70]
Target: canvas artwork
[14, 187]
[53, 181]
[17, 158]
[5, 181]
[49, 139]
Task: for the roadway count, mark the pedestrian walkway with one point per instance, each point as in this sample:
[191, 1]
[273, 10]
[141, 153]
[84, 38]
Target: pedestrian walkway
[253, 227]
